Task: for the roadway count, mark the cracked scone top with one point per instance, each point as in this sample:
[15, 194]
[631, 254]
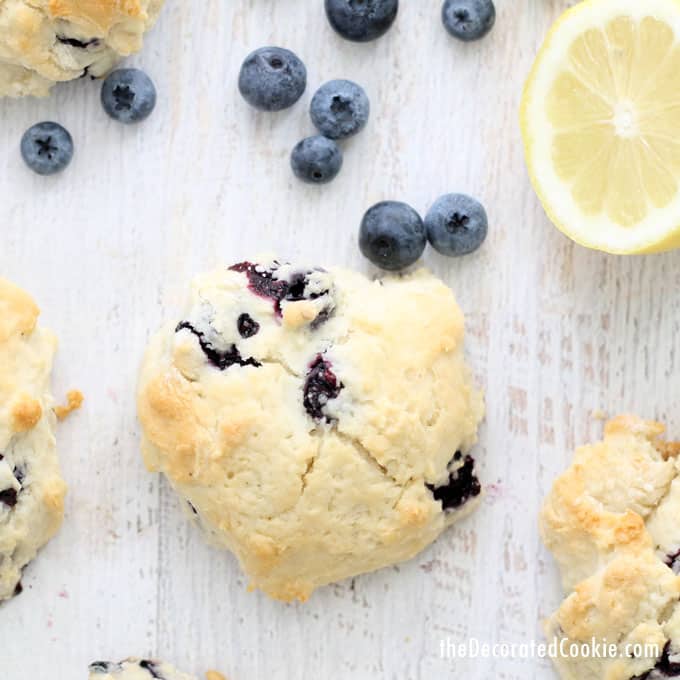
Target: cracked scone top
[43, 42]
[612, 522]
[317, 423]
[31, 487]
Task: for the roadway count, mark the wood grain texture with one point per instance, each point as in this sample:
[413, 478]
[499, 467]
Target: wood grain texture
[555, 333]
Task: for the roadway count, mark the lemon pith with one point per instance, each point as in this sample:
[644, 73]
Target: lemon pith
[601, 125]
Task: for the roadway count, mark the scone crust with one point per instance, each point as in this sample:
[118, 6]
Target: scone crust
[43, 42]
[31, 488]
[136, 669]
[306, 501]
[611, 521]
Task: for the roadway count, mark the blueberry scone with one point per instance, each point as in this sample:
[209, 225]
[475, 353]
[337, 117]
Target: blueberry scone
[31, 488]
[612, 522]
[318, 424]
[135, 669]
[43, 42]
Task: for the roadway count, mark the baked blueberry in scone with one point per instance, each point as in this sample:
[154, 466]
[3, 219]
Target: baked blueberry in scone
[318, 424]
[43, 42]
[135, 669]
[31, 488]
[611, 522]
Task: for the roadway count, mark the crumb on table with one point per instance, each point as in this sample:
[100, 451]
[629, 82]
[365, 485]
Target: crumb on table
[214, 675]
[74, 400]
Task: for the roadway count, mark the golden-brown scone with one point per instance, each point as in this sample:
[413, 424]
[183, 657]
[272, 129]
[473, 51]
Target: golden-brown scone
[31, 487]
[612, 522]
[43, 42]
[317, 423]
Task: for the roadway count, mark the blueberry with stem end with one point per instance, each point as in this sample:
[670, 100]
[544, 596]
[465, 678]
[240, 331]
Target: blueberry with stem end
[340, 109]
[468, 20]
[47, 148]
[128, 95]
[456, 225]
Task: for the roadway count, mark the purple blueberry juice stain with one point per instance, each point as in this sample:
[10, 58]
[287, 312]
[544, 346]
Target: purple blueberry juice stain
[221, 359]
[263, 283]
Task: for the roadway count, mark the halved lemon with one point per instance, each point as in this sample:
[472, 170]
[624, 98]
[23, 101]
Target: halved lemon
[601, 125]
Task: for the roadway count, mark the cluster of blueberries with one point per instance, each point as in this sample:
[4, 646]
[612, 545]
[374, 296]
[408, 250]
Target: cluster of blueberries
[128, 95]
[365, 20]
[393, 236]
[274, 78]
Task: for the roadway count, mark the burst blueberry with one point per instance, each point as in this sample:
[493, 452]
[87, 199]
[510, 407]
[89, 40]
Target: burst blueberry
[128, 95]
[272, 79]
[340, 109]
[265, 283]
[321, 385]
[461, 486]
[392, 235]
[247, 326]
[468, 20]
[456, 225]
[316, 160]
[47, 148]
[666, 667]
[361, 20]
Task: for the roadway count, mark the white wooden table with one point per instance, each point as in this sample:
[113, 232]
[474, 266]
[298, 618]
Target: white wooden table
[555, 333]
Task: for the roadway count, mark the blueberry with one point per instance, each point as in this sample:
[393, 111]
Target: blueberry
[47, 148]
[673, 561]
[316, 160]
[80, 44]
[468, 19]
[9, 497]
[247, 326]
[272, 79]
[392, 235]
[265, 283]
[105, 667]
[340, 109]
[321, 385]
[222, 359]
[128, 95]
[152, 668]
[666, 666]
[456, 225]
[361, 20]
[462, 484]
